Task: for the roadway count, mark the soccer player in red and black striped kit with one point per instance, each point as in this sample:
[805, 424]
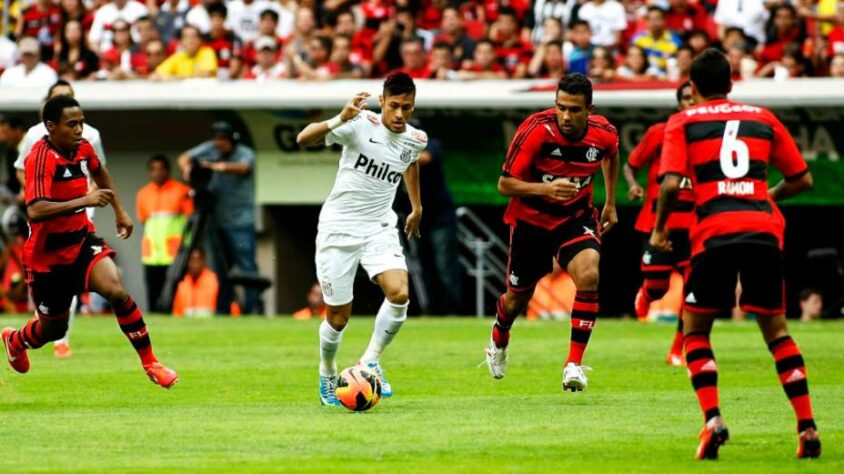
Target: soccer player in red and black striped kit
[63, 256]
[548, 176]
[657, 265]
[725, 148]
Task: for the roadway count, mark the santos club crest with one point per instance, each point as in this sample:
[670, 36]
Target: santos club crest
[405, 156]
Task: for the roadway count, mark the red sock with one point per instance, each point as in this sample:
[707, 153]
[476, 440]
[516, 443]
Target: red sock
[503, 323]
[30, 336]
[583, 315]
[132, 324]
[792, 372]
[677, 345]
[703, 372]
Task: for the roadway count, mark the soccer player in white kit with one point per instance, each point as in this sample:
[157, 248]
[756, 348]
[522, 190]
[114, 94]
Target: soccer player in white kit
[357, 224]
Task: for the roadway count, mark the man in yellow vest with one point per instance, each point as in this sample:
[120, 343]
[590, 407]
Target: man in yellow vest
[163, 207]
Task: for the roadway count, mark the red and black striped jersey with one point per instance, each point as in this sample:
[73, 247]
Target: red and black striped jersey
[726, 147]
[540, 153]
[647, 153]
[52, 176]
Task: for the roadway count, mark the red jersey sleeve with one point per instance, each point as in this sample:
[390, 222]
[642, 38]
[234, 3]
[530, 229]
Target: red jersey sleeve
[523, 149]
[645, 151]
[785, 155]
[91, 155]
[674, 159]
[39, 169]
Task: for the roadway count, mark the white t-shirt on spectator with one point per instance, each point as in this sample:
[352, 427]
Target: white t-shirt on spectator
[243, 18]
[108, 14]
[42, 76]
[749, 15]
[8, 53]
[606, 20]
[279, 71]
[198, 17]
[544, 9]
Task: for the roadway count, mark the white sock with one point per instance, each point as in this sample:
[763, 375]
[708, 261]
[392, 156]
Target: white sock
[66, 338]
[388, 321]
[329, 342]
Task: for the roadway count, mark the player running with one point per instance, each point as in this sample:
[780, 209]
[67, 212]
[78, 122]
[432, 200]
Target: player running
[657, 265]
[63, 256]
[726, 147]
[357, 224]
[548, 175]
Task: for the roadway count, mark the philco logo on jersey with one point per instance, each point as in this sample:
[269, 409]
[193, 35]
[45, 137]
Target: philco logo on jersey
[579, 181]
[381, 171]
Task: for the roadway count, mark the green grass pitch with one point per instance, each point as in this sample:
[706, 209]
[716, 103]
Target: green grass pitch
[247, 402]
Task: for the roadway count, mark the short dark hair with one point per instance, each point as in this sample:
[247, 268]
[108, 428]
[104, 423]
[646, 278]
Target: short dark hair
[444, 45]
[54, 108]
[189, 27]
[685, 47]
[679, 92]
[59, 83]
[159, 158]
[508, 11]
[576, 84]
[484, 41]
[325, 42]
[398, 83]
[654, 8]
[556, 43]
[711, 73]
[577, 23]
[13, 122]
[805, 293]
[218, 8]
[269, 12]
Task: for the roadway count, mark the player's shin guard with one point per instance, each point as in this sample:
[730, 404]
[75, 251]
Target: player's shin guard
[792, 373]
[703, 372]
[583, 315]
[388, 322]
[30, 336]
[133, 326]
[503, 323]
[329, 342]
[656, 284]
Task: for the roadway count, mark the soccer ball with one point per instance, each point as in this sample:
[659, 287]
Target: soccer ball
[358, 389]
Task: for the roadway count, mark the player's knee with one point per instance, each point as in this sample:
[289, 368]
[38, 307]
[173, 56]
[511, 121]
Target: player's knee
[337, 319]
[587, 279]
[516, 303]
[117, 297]
[398, 295]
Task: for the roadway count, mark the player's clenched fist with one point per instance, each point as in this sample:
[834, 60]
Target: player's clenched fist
[354, 106]
[561, 189]
[100, 197]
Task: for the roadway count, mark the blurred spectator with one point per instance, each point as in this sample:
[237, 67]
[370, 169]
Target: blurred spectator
[163, 207]
[75, 60]
[452, 32]
[226, 45]
[636, 67]
[658, 44]
[406, 22]
[170, 18]
[233, 210]
[8, 53]
[543, 10]
[316, 306]
[413, 59]
[514, 54]
[267, 66]
[699, 41]
[76, 10]
[577, 51]
[303, 31]
[442, 62]
[552, 30]
[318, 66]
[748, 15]
[267, 29]
[11, 134]
[685, 16]
[602, 66]
[31, 72]
[784, 30]
[547, 62]
[607, 19]
[792, 64]
[680, 68]
[123, 55]
[836, 34]
[811, 305]
[146, 31]
[484, 65]
[554, 295]
[194, 60]
[14, 15]
[836, 66]
[244, 16]
[341, 55]
[197, 293]
[155, 54]
[198, 15]
[42, 21]
[100, 36]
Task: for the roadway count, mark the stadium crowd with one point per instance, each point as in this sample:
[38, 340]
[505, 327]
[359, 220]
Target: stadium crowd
[610, 40]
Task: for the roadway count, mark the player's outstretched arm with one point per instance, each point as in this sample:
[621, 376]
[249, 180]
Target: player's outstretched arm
[668, 192]
[315, 132]
[123, 222]
[411, 181]
[44, 209]
[788, 188]
[609, 216]
[634, 191]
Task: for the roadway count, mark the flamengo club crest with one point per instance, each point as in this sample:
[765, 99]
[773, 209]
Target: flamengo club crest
[592, 153]
[405, 156]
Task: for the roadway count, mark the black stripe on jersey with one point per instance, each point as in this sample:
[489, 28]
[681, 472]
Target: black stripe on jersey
[712, 171]
[519, 139]
[758, 238]
[697, 131]
[731, 204]
[40, 162]
[69, 172]
[557, 210]
[60, 240]
[680, 206]
[576, 154]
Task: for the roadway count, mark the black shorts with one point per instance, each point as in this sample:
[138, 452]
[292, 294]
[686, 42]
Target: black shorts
[532, 248]
[53, 291]
[710, 286]
[654, 260]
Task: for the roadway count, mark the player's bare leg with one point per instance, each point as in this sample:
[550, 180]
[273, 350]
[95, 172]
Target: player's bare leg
[389, 320]
[105, 280]
[510, 305]
[703, 371]
[330, 335]
[61, 347]
[583, 269]
[792, 375]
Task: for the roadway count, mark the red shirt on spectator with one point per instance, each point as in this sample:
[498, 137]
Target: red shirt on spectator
[512, 53]
[42, 25]
[419, 73]
[228, 47]
[836, 41]
[475, 67]
[430, 17]
[774, 51]
[693, 17]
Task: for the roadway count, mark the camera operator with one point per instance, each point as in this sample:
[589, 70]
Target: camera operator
[231, 207]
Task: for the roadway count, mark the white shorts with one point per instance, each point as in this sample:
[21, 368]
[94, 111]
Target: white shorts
[338, 256]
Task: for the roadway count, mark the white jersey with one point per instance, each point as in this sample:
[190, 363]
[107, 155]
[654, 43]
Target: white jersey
[372, 164]
[37, 132]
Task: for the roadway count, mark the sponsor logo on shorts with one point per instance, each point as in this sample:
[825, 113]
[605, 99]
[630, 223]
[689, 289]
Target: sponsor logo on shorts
[514, 280]
[690, 298]
[327, 289]
[646, 258]
[43, 309]
[588, 231]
